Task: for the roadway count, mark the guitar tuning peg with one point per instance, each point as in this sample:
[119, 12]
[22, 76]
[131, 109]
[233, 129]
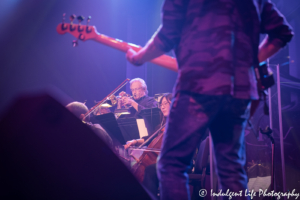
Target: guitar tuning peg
[72, 17]
[80, 19]
[75, 43]
[63, 19]
[88, 20]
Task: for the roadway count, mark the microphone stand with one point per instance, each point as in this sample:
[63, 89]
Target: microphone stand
[268, 131]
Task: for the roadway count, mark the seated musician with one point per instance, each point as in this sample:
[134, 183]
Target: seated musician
[164, 106]
[79, 109]
[140, 100]
[150, 180]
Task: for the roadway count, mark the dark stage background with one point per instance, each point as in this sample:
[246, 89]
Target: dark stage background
[34, 56]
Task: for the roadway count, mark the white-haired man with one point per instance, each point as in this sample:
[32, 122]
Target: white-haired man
[140, 100]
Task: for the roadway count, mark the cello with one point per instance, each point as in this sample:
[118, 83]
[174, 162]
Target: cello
[149, 155]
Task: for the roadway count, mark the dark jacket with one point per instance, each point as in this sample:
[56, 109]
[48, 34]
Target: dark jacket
[144, 102]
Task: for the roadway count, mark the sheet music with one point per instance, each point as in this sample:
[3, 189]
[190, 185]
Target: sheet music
[142, 127]
[259, 183]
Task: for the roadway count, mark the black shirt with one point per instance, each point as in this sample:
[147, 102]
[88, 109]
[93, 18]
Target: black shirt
[143, 103]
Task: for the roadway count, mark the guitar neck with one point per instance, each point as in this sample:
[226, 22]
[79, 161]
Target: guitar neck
[85, 32]
[165, 61]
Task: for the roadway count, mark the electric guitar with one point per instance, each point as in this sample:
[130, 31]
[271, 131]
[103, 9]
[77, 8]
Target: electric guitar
[86, 32]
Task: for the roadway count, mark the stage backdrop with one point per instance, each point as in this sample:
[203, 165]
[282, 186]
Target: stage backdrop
[35, 56]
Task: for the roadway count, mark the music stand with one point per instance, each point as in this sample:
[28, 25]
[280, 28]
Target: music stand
[152, 117]
[129, 128]
[109, 123]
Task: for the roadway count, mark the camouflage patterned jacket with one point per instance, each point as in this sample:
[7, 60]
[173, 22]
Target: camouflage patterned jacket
[215, 54]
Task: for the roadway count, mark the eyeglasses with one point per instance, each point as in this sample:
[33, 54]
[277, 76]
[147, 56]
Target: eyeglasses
[163, 105]
[135, 89]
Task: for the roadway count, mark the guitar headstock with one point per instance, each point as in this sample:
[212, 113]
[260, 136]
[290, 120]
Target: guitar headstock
[79, 31]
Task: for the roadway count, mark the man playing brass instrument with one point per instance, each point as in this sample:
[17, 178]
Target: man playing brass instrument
[140, 99]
